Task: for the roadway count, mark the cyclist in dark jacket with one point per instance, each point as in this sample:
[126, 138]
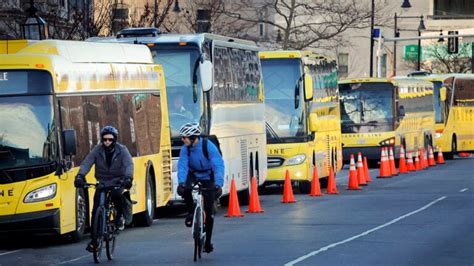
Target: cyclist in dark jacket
[113, 164]
[194, 166]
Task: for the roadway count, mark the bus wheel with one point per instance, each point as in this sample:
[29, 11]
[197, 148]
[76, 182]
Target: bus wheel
[244, 196]
[454, 149]
[146, 218]
[304, 186]
[81, 216]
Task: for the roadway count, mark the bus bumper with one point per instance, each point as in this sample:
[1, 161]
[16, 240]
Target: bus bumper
[297, 173]
[372, 153]
[35, 222]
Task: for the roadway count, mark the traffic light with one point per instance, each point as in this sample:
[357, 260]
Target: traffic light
[453, 43]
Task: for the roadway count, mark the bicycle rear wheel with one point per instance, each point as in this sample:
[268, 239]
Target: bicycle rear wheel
[197, 230]
[99, 233]
[110, 239]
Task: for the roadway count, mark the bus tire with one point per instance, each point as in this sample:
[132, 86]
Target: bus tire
[454, 148]
[146, 218]
[304, 186]
[81, 217]
[244, 196]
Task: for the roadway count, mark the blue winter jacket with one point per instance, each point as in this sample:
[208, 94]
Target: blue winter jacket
[199, 164]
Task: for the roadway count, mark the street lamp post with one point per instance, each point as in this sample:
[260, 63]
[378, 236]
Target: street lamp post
[421, 27]
[34, 28]
[405, 5]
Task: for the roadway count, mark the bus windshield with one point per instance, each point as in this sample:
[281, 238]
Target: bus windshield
[181, 71]
[366, 107]
[26, 134]
[282, 83]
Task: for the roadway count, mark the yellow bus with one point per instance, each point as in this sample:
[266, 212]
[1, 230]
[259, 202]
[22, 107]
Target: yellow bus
[454, 110]
[379, 113]
[54, 98]
[302, 116]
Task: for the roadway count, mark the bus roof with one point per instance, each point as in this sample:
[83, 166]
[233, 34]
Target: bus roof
[364, 80]
[290, 54]
[182, 39]
[90, 52]
[13, 46]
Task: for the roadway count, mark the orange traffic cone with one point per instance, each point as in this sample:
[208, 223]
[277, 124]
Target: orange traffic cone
[366, 170]
[423, 157]
[384, 165]
[393, 170]
[288, 190]
[417, 161]
[315, 186]
[410, 165]
[402, 167]
[353, 183]
[361, 177]
[331, 188]
[440, 159]
[464, 154]
[234, 208]
[254, 204]
[431, 160]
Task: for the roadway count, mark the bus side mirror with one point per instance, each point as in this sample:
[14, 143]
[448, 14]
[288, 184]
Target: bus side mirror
[69, 142]
[401, 111]
[206, 74]
[308, 87]
[442, 94]
[313, 122]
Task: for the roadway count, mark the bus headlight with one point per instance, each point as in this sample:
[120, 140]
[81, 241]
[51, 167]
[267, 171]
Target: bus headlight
[298, 159]
[438, 135]
[40, 194]
[387, 142]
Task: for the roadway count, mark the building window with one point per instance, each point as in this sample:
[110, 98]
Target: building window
[261, 29]
[453, 9]
[343, 65]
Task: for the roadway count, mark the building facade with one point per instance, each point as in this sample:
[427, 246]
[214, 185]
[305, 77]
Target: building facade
[439, 16]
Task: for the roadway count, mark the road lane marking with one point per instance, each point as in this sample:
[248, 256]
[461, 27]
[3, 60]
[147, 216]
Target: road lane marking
[76, 259]
[10, 252]
[464, 189]
[316, 252]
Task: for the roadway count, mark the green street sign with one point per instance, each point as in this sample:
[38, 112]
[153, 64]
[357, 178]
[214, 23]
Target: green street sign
[411, 52]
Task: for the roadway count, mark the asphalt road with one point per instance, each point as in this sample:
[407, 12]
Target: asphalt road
[423, 218]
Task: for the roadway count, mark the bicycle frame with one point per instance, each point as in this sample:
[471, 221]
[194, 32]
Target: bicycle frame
[198, 230]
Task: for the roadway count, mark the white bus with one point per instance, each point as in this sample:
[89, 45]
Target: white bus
[216, 81]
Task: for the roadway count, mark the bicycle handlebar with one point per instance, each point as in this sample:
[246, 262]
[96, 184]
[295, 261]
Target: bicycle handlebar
[102, 186]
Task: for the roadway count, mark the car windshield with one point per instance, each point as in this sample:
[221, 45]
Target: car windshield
[181, 68]
[366, 107]
[282, 82]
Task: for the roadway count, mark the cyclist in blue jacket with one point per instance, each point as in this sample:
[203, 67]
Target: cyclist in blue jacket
[194, 166]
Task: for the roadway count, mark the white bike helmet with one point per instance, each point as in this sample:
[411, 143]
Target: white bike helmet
[190, 129]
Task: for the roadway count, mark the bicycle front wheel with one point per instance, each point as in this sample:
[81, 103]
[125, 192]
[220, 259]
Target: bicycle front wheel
[110, 239]
[197, 232]
[99, 232]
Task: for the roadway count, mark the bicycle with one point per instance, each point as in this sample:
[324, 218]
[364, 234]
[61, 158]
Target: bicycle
[104, 228]
[199, 226]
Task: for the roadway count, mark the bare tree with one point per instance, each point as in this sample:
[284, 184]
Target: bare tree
[310, 23]
[440, 61]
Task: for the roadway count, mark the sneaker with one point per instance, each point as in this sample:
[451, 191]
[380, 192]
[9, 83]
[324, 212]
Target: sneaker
[208, 248]
[120, 223]
[91, 246]
[188, 221]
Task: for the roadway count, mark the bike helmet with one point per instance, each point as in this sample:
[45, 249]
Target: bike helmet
[190, 129]
[109, 130]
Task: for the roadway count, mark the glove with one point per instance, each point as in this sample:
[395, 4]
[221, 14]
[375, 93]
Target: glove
[181, 189]
[218, 191]
[79, 182]
[127, 183]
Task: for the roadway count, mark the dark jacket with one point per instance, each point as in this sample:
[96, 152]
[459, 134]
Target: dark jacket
[121, 165]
